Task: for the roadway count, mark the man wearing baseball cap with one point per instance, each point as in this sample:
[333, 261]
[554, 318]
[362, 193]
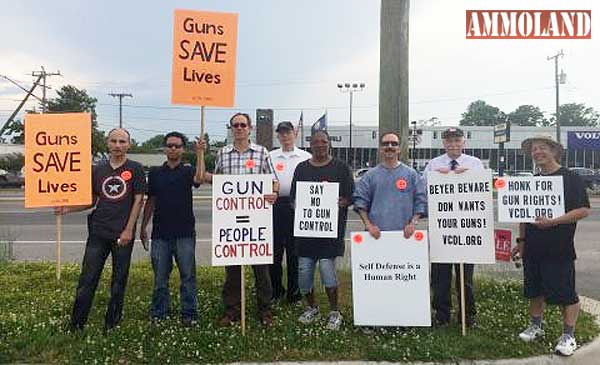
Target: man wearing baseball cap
[454, 160]
[285, 160]
[548, 251]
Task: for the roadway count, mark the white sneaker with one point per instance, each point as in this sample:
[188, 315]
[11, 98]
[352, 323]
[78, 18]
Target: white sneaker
[531, 333]
[309, 315]
[335, 321]
[566, 345]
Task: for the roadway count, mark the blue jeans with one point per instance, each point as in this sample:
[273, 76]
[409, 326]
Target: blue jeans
[162, 253]
[97, 250]
[306, 273]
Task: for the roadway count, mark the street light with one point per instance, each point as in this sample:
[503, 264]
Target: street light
[558, 79]
[351, 88]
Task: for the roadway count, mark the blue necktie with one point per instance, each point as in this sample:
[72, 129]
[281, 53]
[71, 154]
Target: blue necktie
[453, 165]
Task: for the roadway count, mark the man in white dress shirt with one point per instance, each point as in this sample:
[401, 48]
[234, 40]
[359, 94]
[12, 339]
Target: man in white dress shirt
[441, 274]
[285, 160]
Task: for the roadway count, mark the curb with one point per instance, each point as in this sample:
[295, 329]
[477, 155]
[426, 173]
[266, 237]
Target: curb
[588, 354]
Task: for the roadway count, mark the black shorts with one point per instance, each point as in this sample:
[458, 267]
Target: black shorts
[553, 279]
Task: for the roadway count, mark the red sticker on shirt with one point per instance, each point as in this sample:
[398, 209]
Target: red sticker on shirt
[126, 175]
[401, 184]
[280, 166]
[419, 236]
[250, 164]
[358, 238]
[500, 183]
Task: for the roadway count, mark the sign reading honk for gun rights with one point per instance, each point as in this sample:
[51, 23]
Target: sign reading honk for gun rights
[523, 199]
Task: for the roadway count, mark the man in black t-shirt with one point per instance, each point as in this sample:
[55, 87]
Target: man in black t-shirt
[118, 187]
[173, 229]
[548, 248]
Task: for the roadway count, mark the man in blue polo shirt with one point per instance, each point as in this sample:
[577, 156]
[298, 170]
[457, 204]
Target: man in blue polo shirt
[173, 231]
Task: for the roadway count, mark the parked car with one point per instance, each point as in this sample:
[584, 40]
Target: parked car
[589, 177]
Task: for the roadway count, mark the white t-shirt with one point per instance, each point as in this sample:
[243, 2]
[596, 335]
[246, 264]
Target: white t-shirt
[284, 164]
[464, 161]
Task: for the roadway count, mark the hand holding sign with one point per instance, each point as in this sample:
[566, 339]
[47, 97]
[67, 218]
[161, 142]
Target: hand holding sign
[543, 223]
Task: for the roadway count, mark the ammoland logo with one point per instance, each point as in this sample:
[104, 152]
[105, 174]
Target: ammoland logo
[529, 24]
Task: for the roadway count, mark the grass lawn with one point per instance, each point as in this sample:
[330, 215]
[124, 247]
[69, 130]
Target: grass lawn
[34, 308]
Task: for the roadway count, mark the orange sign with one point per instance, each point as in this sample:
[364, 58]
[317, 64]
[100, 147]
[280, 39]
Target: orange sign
[58, 159]
[204, 57]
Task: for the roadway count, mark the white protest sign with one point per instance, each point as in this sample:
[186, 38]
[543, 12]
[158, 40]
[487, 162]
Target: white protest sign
[461, 217]
[316, 213]
[390, 279]
[522, 199]
[242, 223]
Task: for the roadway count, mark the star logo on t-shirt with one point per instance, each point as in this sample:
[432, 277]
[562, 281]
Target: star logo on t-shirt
[114, 187]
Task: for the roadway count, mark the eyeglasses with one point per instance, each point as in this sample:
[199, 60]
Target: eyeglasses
[173, 145]
[390, 144]
[239, 125]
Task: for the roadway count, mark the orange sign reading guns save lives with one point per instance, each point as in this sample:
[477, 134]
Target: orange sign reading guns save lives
[58, 162]
[204, 58]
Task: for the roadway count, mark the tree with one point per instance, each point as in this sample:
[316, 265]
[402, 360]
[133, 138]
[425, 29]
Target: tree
[527, 115]
[576, 114]
[13, 162]
[17, 130]
[479, 113]
[71, 100]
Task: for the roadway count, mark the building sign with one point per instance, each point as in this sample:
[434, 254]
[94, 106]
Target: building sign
[583, 140]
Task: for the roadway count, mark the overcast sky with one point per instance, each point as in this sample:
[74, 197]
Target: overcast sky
[291, 55]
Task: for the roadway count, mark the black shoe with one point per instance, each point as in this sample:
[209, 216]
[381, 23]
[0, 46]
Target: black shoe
[471, 323]
[109, 327]
[74, 327]
[188, 322]
[294, 299]
[437, 323]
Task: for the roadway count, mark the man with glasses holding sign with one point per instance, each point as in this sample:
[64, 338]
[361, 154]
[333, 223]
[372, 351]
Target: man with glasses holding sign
[548, 248]
[392, 196]
[243, 157]
[173, 228]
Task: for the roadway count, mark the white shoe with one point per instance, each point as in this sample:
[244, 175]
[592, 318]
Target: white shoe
[309, 315]
[566, 345]
[531, 333]
[335, 321]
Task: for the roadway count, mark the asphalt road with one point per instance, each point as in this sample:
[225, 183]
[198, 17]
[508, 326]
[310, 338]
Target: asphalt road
[33, 233]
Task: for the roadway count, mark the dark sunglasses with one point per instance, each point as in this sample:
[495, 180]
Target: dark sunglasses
[173, 145]
[239, 125]
[390, 144]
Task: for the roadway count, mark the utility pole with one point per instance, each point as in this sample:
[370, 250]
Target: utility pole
[43, 74]
[18, 109]
[120, 96]
[558, 79]
[393, 70]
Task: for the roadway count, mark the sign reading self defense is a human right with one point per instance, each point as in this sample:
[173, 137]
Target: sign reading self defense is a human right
[204, 58]
[58, 169]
